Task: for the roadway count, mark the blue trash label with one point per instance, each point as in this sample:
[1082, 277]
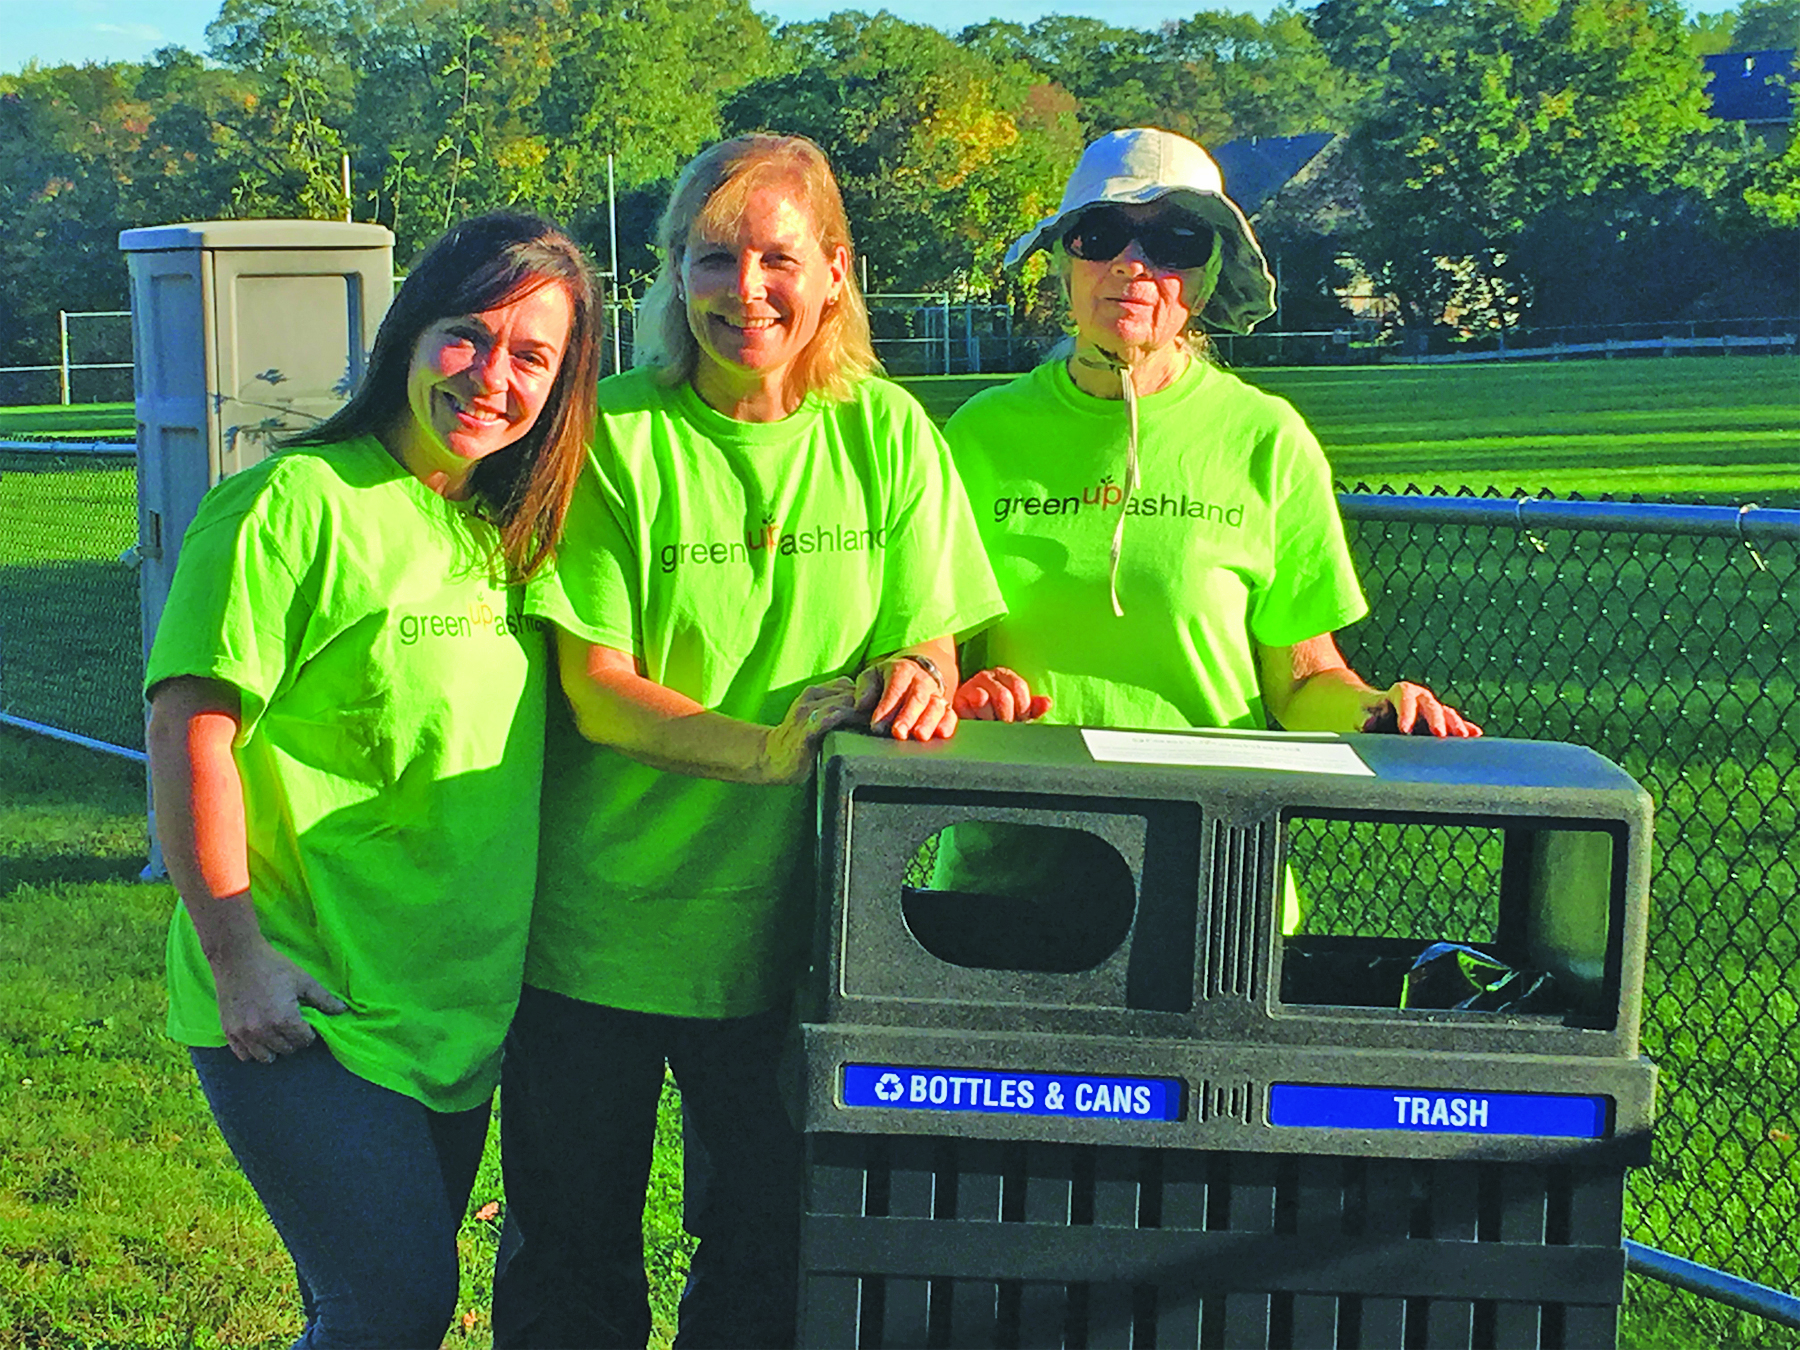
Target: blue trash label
[1427, 1110]
[902, 1088]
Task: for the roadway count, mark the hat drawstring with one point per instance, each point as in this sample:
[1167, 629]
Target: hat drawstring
[1129, 388]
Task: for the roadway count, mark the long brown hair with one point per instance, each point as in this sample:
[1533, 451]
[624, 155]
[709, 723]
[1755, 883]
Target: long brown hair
[713, 189]
[481, 264]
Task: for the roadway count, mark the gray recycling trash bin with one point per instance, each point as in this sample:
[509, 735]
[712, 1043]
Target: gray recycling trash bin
[1138, 1112]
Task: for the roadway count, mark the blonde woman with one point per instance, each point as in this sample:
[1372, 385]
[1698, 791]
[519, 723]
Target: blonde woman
[770, 542]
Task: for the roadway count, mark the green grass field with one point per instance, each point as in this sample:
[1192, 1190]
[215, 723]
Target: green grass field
[78, 422]
[1684, 426]
[124, 1222]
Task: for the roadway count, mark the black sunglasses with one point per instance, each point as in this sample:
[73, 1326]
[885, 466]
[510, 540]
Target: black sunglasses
[1100, 235]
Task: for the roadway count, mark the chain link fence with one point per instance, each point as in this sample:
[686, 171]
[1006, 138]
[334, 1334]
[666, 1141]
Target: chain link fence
[1663, 637]
[70, 651]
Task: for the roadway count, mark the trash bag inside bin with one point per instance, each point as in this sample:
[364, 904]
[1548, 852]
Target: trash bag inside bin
[1369, 972]
[1450, 975]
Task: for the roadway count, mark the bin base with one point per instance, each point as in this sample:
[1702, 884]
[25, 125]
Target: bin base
[916, 1241]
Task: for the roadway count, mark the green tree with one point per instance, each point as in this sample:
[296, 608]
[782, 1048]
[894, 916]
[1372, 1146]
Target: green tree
[1766, 25]
[944, 154]
[1490, 118]
[302, 55]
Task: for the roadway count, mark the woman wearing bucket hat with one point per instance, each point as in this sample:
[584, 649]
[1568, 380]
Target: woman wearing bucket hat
[1164, 534]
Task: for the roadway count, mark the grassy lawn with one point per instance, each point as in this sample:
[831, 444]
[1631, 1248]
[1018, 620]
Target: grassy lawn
[77, 422]
[1675, 426]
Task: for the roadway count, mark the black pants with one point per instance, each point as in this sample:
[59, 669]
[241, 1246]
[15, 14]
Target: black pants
[578, 1100]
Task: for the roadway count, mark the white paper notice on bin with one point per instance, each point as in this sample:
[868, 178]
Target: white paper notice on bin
[1293, 752]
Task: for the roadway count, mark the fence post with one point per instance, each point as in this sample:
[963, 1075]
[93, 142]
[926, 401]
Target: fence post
[946, 332]
[62, 329]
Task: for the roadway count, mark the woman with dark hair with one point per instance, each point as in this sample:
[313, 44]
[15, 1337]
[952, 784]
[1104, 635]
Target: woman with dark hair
[346, 731]
[770, 542]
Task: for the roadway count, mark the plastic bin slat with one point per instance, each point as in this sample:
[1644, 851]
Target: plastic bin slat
[974, 1312]
[906, 1314]
[1449, 1324]
[1184, 1190]
[1454, 1194]
[1246, 1320]
[1049, 1183]
[1523, 1196]
[1382, 1324]
[1041, 1316]
[1116, 1200]
[1177, 1315]
[1109, 1317]
[836, 1176]
[1518, 1324]
[1589, 1325]
[980, 1165]
[1320, 1196]
[1596, 1204]
[833, 1303]
[1221, 1261]
[912, 1177]
[1315, 1320]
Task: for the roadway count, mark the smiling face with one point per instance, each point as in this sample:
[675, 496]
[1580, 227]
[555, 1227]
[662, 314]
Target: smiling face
[755, 292]
[477, 383]
[1127, 303]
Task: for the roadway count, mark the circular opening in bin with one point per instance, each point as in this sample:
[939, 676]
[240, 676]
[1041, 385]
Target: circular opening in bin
[994, 895]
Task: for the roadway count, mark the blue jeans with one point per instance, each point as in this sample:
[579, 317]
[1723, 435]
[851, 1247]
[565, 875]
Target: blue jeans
[578, 1097]
[366, 1187]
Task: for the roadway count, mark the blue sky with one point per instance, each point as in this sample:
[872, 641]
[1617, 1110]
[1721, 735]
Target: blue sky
[57, 31]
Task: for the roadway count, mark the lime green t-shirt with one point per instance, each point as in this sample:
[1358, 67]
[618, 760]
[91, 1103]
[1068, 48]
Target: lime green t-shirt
[391, 753]
[1233, 534]
[739, 562]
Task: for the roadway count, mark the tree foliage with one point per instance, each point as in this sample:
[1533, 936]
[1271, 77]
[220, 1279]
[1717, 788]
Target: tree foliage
[944, 153]
[1499, 125]
[1504, 157]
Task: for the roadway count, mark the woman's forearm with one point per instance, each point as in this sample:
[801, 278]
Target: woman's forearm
[199, 801]
[617, 707]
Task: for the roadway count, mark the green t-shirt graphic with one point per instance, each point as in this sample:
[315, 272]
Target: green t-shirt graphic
[391, 753]
[739, 562]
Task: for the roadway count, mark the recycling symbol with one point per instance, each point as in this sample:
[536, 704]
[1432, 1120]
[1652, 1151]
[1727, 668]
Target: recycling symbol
[888, 1087]
[1053, 1099]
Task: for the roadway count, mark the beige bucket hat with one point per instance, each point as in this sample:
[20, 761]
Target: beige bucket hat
[1143, 164]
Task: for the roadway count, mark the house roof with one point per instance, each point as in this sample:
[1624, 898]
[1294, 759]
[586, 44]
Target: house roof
[1749, 86]
[1257, 167]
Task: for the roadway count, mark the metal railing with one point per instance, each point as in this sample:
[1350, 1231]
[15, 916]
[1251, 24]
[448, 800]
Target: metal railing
[64, 366]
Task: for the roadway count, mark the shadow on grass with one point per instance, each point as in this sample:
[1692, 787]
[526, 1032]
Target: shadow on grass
[68, 815]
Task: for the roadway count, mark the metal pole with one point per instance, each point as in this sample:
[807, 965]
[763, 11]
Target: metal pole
[612, 241]
[62, 328]
[946, 332]
[344, 166]
[1714, 1284]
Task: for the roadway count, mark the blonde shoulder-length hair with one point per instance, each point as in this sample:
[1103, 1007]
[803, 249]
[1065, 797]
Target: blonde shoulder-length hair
[714, 191]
